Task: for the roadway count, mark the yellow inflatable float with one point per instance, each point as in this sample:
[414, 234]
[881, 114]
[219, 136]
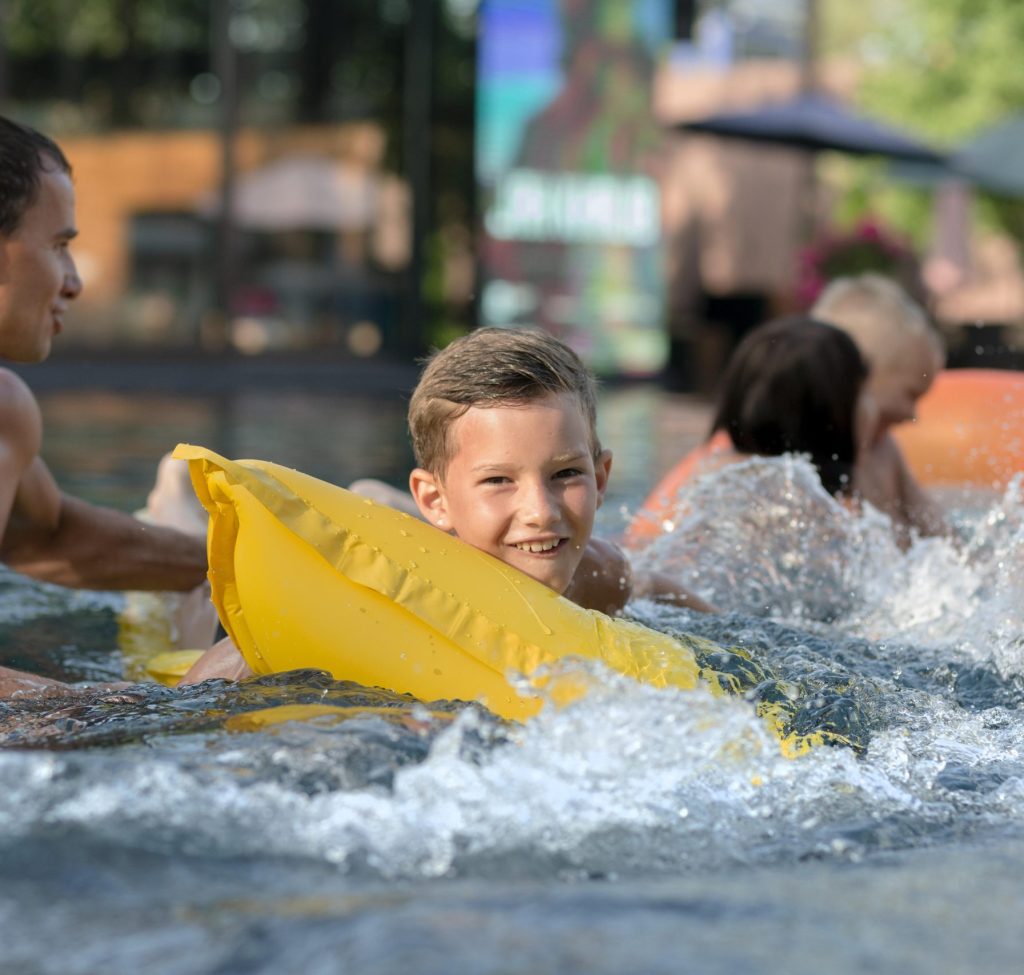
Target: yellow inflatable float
[306, 574]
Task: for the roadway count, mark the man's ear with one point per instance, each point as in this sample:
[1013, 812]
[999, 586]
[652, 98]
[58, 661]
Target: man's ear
[428, 494]
[602, 471]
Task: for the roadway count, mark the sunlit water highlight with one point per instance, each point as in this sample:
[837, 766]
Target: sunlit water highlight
[639, 829]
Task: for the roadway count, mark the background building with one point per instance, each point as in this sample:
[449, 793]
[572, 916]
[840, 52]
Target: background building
[370, 178]
[244, 167]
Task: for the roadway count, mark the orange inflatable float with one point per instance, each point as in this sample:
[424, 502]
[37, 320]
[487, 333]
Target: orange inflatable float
[969, 431]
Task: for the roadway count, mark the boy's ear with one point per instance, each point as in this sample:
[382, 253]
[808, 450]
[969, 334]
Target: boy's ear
[429, 497]
[602, 470]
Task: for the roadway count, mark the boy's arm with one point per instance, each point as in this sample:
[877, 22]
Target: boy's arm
[603, 580]
[884, 479]
[222, 660]
[919, 509]
[664, 589]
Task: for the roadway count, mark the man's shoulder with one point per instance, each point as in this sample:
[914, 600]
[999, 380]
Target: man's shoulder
[19, 411]
[13, 388]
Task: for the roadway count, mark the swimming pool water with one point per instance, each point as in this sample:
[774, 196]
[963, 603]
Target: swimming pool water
[639, 830]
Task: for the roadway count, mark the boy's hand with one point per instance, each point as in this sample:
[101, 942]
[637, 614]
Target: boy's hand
[222, 660]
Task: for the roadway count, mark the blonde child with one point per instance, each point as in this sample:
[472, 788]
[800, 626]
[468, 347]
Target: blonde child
[904, 354]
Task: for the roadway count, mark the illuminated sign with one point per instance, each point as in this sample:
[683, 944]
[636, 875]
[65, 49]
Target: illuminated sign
[530, 204]
[566, 144]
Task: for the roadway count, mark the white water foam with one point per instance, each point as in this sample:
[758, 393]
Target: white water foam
[631, 779]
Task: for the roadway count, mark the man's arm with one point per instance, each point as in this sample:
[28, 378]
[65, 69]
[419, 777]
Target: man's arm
[54, 537]
[90, 547]
[16, 683]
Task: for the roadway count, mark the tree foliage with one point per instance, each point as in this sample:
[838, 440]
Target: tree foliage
[947, 67]
[943, 69]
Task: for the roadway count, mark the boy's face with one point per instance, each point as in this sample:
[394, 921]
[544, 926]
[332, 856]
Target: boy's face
[522, 485]
[897, 389]
[38, 278]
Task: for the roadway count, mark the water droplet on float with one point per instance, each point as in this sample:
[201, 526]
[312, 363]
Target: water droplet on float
[403, 533]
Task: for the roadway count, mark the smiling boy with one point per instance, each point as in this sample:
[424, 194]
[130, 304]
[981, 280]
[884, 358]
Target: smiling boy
[503, 426]
[504, 430]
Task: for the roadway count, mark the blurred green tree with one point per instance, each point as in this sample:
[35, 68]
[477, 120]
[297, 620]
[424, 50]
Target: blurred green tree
[946, 69]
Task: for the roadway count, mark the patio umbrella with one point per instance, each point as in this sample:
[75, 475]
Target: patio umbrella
[993, 159]
[816, 122]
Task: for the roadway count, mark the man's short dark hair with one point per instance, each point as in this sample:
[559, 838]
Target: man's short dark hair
[24, 155]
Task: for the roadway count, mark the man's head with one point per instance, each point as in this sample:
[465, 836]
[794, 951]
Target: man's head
[903, 351]
[38, 277]
[503, 424]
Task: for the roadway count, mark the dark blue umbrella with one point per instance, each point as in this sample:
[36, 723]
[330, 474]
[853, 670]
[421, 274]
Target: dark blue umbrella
[816, 122]
[994, 160]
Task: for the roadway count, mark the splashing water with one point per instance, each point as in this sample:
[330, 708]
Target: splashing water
[648, 785]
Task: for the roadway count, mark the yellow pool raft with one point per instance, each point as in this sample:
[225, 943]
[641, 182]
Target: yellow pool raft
[306, 574]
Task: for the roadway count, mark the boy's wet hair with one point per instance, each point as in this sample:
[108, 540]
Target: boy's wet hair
[881, 316]
[24, 155]
[792, 385]
[492, 367]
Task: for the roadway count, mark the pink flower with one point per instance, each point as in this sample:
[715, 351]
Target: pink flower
[867, 247]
